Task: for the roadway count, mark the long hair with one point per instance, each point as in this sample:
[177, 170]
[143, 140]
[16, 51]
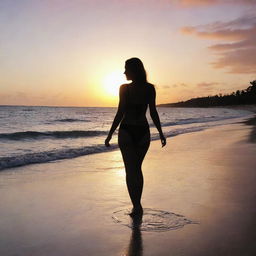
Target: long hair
[136, 67]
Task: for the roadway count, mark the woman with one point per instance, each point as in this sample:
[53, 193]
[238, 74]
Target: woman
[134, 134]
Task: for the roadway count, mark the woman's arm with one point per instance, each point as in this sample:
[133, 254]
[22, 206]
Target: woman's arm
[155, 117]
[118, 116]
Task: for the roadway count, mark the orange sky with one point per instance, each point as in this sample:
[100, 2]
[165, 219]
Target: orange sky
[72, 53]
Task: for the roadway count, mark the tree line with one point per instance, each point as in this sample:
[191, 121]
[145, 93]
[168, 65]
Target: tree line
[240, 97]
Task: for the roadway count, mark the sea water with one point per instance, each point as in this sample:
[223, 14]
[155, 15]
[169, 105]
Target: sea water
[35, 134]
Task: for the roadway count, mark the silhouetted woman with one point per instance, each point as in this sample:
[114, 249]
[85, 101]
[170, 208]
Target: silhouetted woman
[134, 134]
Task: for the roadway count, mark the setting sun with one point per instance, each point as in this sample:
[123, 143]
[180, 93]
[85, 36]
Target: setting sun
[113, 81]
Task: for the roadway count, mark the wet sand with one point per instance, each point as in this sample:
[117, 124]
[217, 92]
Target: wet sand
[66, 207]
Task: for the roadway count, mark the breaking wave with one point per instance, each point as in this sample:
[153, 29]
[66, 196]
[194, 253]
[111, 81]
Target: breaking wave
[50, 134]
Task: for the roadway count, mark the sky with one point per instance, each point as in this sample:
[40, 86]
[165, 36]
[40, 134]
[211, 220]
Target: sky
[72, 53]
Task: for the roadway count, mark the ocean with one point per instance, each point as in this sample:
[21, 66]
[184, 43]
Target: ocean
[35, 134]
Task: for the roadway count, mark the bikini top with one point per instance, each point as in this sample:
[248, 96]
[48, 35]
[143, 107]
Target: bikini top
[135, 110]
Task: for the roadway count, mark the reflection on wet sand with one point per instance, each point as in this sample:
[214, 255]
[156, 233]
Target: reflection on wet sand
[135, 247]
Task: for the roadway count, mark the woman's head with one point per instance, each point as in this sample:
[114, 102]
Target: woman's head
[135, 71]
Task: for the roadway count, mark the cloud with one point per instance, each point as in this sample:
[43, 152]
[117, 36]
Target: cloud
[179, 85]
[240, 61]
[223, 34]
[237, 50]
[188, 3]
[237, 29]
[165, 87]
[207, 85]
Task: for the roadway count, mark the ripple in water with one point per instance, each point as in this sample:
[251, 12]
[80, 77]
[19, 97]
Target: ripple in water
[153, 220]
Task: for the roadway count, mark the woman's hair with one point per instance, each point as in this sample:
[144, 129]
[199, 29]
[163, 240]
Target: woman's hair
[136, 67]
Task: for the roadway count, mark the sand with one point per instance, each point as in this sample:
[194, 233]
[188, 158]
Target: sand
[66, 207]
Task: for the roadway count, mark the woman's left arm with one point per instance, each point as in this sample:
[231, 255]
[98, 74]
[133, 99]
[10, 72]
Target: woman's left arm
[119, 114]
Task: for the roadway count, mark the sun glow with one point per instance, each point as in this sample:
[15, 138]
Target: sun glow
[112, 82]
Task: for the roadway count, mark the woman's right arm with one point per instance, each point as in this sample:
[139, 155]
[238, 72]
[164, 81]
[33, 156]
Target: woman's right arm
[119, 114]
[154, 115]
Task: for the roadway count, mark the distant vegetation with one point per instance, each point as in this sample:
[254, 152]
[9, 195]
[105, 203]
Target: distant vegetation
[247, 96]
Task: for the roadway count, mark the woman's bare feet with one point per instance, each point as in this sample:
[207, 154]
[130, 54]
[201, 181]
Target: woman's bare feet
[136, 211]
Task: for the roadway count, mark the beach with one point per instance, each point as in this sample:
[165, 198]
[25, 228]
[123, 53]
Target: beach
[78, 75]
[67, 207]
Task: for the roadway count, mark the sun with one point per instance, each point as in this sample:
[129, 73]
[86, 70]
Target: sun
[112, 82]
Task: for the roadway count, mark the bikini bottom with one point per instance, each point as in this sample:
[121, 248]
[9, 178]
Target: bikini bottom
[137, 132]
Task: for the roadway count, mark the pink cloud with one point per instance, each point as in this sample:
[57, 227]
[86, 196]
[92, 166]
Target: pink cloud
[240, 61]
[188, 3]
[226, 34]
[248, 43]
[237, 29]
[237, 51]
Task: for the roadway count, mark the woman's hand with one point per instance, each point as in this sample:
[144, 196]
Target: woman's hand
[163, 140]
[107, 140]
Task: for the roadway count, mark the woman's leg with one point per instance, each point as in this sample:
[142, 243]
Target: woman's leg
[141, 150]
[133, 156]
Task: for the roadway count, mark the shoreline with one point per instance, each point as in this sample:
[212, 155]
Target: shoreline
[251, 107]
[10, 162]
[252, 122]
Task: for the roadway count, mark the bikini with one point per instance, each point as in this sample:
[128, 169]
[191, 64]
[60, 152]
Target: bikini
[137, 132]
